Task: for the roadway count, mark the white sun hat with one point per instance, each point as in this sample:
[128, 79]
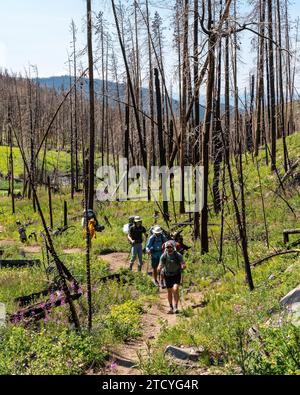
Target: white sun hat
[157, 230]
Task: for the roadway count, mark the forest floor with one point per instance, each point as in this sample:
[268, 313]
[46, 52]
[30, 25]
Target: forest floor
[124, 359]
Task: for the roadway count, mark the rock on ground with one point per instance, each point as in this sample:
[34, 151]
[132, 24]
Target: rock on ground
[183, 353]
[292, 302]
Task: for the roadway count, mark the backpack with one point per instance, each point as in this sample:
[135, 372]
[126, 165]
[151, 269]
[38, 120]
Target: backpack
[177, 255]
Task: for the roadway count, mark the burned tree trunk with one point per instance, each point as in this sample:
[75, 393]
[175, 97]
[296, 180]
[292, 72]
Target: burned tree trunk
[162, 150]
[272, 87]
[92, 107]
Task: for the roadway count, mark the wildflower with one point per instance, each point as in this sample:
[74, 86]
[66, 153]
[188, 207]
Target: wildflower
[113, 366]
[52, 298]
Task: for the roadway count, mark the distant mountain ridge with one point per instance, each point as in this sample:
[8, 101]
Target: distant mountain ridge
[62, 83]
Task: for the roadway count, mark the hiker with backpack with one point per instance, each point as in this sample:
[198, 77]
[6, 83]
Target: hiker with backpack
[154, 248]
[135, 237]
[172, 264]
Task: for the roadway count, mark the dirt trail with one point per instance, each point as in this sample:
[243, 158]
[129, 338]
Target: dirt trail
[70, 251]
[7, 242]
[124, 358]
[34, 249]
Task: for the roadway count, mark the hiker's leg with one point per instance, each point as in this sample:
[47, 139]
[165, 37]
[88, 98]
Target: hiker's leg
[170, 297]
[176, 295]
[154, 264]
[155, 274]
[133, 256]
[162, 280]
[140, 256]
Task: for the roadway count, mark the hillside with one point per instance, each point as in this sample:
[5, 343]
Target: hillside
[232, 329]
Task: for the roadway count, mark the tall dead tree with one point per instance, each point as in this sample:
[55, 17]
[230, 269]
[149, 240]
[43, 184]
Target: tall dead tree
[74, 31]
[212, 40]
[162, 149]
[151, 94]
[196, 108]
[281, 127]
[130, 85]
[260, 76]
[271, 76]
[92, 107]
[184, 125]
[217, 131]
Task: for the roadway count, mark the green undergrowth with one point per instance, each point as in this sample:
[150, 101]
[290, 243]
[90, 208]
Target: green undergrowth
[221, 329]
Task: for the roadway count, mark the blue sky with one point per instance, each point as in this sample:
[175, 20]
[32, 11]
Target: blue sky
[37, 32]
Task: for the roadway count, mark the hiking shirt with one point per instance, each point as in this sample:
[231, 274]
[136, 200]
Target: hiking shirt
[171, 264]
[155, 244]
[136, 233]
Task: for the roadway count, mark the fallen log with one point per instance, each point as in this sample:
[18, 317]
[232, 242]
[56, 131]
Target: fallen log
[25, 300]
[17, 263]
[39, 310]
[290, 171]
[278, 253]
[288, 232]
[113, 277]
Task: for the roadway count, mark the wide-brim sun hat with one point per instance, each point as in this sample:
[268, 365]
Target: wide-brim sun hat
[157, 230]
[137, 219]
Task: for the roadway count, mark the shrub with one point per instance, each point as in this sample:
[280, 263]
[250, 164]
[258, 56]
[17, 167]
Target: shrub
[124, 320]
[26, 352]
[277, 353]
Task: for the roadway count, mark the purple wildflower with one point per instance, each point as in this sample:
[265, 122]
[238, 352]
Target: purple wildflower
[114, 366]
[52, 298]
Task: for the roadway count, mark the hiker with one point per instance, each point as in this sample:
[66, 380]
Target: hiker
[180, 246]
[91, 227]
[154, 248]
[135, 237]
[171, 264]
[93, 224]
